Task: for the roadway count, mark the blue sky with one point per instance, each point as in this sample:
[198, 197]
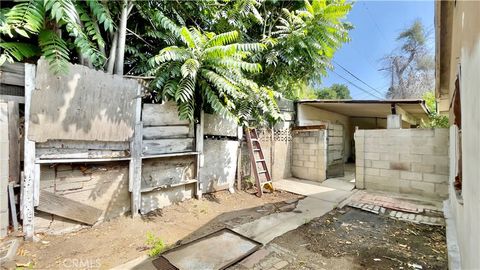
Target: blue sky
[377, 24]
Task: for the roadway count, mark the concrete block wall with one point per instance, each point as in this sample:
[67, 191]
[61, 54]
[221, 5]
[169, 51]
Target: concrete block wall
[335, 151]
[410, 161]
[309, 154]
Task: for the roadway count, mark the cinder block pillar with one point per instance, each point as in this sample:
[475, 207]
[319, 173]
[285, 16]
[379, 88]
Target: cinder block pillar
[394, 121]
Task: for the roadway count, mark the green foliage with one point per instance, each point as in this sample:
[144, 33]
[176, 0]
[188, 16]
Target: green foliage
[435, 120]
[155, 243]
[209, 70]
[59, 25]
[336, 91]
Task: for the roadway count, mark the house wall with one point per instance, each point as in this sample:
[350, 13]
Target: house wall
[308, 115]
[309, 154]
[410, 161]
[465, 56]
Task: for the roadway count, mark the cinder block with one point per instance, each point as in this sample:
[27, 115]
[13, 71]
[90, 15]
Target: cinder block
[360, 162]
[372, 171]
[441, 169]
[372, 156]
[297, 163]
[310, 140]
[312, 158]
[435, 160]
[411, 176]
[441, 190]
[390, 156]
[302, 157]
[368, 163]
[390, 173]
[423, 168]
[297, 151]
[423, 150]
[381, 164]
[411, 157]
[435, 178]
[308, 164]
[402, 166]
[424, 187]
[441, 149]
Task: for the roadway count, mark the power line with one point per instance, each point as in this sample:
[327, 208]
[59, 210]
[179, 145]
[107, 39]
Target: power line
[358, 87]
[374, 22]
[353, 75]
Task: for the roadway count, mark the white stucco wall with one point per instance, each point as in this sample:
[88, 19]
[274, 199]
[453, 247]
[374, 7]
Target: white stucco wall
[308, 115]
[467, 215]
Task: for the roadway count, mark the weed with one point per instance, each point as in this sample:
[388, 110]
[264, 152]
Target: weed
[155, 243]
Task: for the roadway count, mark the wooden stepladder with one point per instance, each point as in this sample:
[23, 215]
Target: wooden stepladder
[259, 166]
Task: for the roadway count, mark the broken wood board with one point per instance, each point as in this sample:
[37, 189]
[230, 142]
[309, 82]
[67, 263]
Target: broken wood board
[67, 208]
[84, 104]
[152, 147]
[218, 250]
[165, 114]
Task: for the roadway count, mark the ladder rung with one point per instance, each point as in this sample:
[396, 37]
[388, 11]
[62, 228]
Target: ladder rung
[260, 172]
[260, 160]
[258, 149]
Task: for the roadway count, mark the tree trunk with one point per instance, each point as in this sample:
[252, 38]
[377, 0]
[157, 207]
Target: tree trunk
[122, 34]
[112, 54]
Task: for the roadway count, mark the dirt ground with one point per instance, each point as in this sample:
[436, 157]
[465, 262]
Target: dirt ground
[355, 239]
[122, 239]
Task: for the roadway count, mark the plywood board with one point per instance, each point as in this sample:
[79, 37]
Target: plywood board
[165, 114]
[152, 147]
[63, 207]
[13, 138]
[12, 73]
[162, 132]
[85, 105]
[217, 125]
[167, 171]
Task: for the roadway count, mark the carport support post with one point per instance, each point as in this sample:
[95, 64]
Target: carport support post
[200, 157]
[394, 121]
[28, 183]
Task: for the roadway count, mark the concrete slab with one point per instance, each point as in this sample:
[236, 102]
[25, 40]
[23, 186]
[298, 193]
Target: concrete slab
[313, 189]
[269, 227]
[338, 184]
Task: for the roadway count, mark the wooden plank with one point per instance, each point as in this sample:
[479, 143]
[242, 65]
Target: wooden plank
[152, 147]
[79, 160]
[67, 208]
[13, 138]
[12, 73]
[4, 145]
[163, 132]
[7, 98]
[199, 139]
[29, 158]
[165, 114]
[166, 172]
[171, 155]
[85, 145]
[135, 166]
[13, 206]
[187, 182]
[55, 153]
[80, 105]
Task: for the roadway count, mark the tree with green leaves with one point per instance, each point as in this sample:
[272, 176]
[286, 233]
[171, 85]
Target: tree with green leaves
[208, 71]
[435, 120]
[335, 91]
[411, 68]
[91, 32]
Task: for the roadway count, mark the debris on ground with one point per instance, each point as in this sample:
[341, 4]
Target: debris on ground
[351, 238]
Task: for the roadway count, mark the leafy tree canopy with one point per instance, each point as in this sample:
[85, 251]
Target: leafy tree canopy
[229, 57]
[336, 91]
[435, 120]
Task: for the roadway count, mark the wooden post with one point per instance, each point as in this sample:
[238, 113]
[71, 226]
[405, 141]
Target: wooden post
[14, 146]
[200, 157]
[28, 159]
[4, 145]
[135, 168]
[13, 207]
